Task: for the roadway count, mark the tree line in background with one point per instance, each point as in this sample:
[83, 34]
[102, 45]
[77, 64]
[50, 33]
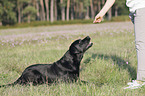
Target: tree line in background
[18, 11]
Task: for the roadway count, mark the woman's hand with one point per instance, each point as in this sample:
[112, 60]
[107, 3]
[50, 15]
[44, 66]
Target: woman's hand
[103, 11]
[98, 19]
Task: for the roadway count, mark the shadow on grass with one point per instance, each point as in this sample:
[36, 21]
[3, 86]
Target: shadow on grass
[117, 60]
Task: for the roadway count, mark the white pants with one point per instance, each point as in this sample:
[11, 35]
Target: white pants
[139, 27]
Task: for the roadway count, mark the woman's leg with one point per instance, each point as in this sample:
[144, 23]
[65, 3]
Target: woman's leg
[139, 26]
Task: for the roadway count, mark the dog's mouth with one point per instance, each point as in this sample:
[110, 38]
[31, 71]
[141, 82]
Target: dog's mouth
[87, 39]
[89, 45]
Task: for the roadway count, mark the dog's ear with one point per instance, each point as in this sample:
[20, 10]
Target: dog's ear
[74, 50]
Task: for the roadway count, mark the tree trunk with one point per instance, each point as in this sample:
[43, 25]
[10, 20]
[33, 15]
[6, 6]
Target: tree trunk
[116, 11]
[62, 10]
[75, 9]
[92, 9]
[72, 10]
[22, 19]
[67, 13]
[99, 5]
[37, 7]
[81, 10]
[47, 9]
[42, 7]
[87, 13]
[95, 5]
[103, 2]
[41, 17]
[56, 10]
[28, 19]
[19, 11]
[1, 23]
[51, 11]
[109, 14]
[19, 15]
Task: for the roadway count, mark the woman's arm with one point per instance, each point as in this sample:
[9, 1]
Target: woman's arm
[103, 11]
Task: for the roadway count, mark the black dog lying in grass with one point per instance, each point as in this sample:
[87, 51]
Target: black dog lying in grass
[66, 69]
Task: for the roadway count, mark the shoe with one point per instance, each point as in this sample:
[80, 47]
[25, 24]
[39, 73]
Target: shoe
[135, 84]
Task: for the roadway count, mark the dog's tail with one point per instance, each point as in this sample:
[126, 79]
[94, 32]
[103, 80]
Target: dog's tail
[12, 84]
[7, 85]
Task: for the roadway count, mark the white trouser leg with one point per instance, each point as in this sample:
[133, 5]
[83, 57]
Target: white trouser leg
[139, 26]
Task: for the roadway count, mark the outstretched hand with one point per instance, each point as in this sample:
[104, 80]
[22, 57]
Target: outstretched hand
[103, 11]
[98, 19]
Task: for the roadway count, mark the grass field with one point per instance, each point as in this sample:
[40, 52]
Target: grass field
[107, 66]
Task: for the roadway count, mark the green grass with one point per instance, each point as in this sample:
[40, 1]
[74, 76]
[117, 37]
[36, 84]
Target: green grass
[107, 66]
[121, 18]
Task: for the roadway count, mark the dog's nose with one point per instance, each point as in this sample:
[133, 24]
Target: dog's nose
[87, 37]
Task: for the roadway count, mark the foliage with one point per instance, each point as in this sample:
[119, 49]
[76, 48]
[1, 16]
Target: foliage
[120, 3]
[13, 11]
[30, 11]
[86, 3]
[1, 11]
[7, 14]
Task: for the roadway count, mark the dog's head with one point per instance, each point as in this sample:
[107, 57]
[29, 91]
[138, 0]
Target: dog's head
[80, 46]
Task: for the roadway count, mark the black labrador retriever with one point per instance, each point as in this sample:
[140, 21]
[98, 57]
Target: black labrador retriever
[66, 69]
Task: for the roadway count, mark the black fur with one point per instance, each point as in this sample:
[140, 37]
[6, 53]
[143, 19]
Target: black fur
[66, 69]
